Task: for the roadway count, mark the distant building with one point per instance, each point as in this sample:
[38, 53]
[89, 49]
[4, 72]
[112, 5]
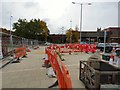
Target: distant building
[57, 38]
[113, 34]
[89, 36]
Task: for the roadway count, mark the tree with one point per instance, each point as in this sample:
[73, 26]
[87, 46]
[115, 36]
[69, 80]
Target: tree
[68, 35]
[20, 27]
[75, 36]
[34, 29]
[72, 34]
[45, 30]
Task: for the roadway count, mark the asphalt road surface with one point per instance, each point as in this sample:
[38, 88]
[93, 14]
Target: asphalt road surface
[29, 73]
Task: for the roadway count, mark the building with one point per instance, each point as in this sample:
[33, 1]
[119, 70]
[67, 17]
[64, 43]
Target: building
[89, 36]
[57, 38]
[113, 36]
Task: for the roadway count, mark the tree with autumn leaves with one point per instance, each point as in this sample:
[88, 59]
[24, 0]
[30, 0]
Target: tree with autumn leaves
[33, 29]
[72, 36]
[37, 29]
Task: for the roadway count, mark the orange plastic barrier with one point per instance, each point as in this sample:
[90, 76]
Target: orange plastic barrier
[20, 52]
[64, 80]
[69, 48]
[64, 49]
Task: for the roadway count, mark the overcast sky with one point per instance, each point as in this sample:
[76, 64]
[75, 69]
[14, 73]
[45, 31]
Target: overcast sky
[59, 13]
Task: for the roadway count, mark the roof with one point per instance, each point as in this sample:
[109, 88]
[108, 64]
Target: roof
[111, 28]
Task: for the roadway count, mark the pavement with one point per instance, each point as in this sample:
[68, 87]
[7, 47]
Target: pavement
[72, 64]
[29, 73]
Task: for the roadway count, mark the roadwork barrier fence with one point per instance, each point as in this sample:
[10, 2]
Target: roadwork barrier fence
[20, 52]
[8, 44]
[64, 80]
[71, 48]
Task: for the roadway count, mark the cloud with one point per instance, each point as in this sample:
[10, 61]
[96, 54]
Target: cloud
[30, 4]
[58, 13]
[119, 14]
[0, 13]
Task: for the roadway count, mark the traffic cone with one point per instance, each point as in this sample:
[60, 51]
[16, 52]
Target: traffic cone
[111, 59]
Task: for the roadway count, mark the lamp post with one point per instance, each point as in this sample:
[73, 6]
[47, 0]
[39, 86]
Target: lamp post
[11, 40]
[10, 24]
[62, 34]
[71, 31]
[105, 33]
[81, 5]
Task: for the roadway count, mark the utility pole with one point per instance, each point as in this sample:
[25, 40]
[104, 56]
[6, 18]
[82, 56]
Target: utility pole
[71, 31]
[81, 10]
[11, 36]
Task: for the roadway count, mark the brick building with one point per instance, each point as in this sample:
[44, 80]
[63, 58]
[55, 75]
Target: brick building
[113, 36]
[57, 38]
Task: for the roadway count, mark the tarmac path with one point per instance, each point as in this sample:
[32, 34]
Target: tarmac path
[29, 73]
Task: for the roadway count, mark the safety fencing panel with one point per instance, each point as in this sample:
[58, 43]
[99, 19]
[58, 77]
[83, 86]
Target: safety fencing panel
[64, 80]
[69, 48]
[10, 42]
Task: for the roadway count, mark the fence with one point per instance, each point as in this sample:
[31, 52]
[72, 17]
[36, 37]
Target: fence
[8, 43]
[96, 73]
[64, 80]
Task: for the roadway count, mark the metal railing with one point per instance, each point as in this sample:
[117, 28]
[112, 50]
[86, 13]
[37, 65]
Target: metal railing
[9, 42]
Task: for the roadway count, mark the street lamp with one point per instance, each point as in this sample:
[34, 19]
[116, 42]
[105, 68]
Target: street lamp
[81, 4]
[105, 33]
[10, 24]
[62, 34]
[11, 40]
[71, 31]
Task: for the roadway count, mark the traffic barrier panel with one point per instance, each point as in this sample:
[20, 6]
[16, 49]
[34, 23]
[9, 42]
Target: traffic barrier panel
[20, 52]
[46, 60]
[64, 80]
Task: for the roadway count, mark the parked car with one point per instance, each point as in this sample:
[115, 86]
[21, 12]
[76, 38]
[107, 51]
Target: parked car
[47, 43]
[83, 43]
[116, 45]
[106, 56]
[117, 51]
[108, 47]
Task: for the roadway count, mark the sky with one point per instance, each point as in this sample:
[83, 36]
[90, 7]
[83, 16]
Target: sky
[59, 13]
